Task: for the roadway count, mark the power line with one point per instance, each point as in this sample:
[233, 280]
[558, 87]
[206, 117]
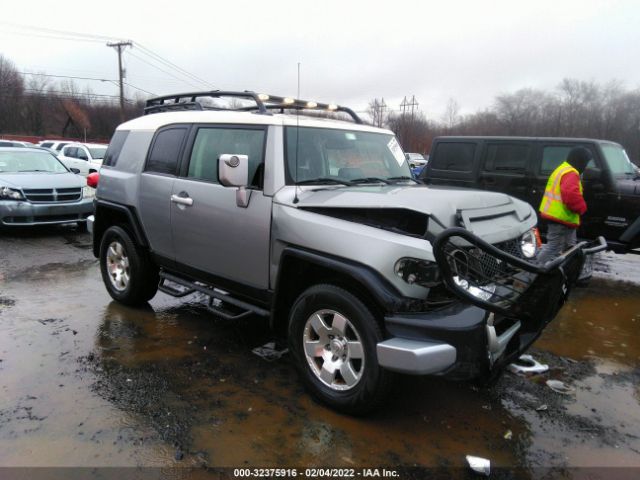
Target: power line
[68, 76]
[87, 78]
[152, 54]
[160, 69]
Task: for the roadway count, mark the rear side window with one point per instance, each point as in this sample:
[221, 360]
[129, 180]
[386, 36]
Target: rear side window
[46, 144]
[60, 145]
[454, 156]
[70, 152]
[506, 158]
[115, 147]
[163, 157]
[210, 143]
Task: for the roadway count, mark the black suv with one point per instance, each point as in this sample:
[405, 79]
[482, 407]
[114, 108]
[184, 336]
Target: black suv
[520, 166]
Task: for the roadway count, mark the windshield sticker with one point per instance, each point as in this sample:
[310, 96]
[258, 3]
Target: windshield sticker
[350, 136]
[394, 148]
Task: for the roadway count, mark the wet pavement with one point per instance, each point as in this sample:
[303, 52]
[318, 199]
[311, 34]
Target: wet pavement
[87, 382]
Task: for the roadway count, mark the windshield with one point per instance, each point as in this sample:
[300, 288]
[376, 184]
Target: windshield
[30, 161]
[617, 159]
[97, 153]
[342, 155]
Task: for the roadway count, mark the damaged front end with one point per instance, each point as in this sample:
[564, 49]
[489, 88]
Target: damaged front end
[521, 297]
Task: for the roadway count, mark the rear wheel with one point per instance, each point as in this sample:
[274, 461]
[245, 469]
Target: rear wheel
[333, 338]
[127, 272]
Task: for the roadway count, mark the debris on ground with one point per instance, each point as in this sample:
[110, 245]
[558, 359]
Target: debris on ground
[542, 408]
[479, 465]
[508, 435]
[526, 364]
[560, 387]
[269, 351]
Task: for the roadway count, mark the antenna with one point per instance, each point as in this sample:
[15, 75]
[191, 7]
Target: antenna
[295, 196]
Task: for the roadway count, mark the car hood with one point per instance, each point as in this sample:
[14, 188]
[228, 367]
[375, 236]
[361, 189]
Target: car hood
[41, 180]
[493, 216]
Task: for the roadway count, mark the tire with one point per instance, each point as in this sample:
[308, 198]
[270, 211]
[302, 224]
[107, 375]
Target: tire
[127, 271]
[349, 347]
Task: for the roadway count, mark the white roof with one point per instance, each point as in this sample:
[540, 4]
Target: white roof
[154, 121]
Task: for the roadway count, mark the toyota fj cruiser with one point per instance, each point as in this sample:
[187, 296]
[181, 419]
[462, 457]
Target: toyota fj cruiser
[318, 225]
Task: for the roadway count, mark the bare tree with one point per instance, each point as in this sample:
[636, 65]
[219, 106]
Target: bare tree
[11, 91]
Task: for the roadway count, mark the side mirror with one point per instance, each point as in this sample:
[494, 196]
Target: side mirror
[592, 174]
[75, 170]
[233, 171]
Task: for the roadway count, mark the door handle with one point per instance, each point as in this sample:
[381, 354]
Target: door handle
[182, 200]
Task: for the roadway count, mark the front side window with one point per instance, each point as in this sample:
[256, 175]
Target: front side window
[554, 155]
[163, 157]
[29, 161]
[505, 158]
[343, 155]
[617, 160]
[210, 143]
[71, 152]
[455, 156]
[97, 153]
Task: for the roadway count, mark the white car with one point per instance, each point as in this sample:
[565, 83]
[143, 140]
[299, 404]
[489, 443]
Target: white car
[86, 157]
[415, 159]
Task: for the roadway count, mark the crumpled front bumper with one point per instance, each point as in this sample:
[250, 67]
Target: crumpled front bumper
[479, 335]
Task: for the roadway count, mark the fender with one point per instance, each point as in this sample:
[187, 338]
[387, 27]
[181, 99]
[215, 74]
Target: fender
[380, 289]
[128, 212]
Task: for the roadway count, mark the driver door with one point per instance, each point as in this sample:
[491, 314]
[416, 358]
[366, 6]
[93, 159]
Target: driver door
[211, 233]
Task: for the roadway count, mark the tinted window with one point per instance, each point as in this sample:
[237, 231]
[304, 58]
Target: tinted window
[501, 157]
[163, 157]
[454, 156]
[552, 156]
[210, 143]
[82, 154]
[70, 152]
[115, 147]
[60, 145]
[46, 144]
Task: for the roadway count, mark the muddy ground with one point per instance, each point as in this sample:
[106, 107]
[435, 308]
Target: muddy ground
[87, 382]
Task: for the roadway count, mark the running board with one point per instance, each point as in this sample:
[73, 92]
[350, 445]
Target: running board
[220, 303]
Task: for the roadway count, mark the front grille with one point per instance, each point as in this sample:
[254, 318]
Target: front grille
[492, 267]
[52, 195]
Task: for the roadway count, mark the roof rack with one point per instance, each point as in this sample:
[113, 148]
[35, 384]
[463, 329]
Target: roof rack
[263, 103]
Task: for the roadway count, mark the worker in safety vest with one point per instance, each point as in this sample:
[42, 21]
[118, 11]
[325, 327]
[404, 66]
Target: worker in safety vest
[563, 204]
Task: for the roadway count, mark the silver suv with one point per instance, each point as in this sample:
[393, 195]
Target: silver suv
[271, 209]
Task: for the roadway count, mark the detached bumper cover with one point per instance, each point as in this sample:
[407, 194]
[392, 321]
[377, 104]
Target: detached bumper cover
[506, 303]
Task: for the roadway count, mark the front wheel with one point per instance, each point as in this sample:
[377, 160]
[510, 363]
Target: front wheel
[332, 339]
[127, 272]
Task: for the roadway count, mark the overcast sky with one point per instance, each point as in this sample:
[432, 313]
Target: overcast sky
[350, 52]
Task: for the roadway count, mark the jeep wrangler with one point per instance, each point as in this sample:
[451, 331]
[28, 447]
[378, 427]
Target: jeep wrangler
[272, 209]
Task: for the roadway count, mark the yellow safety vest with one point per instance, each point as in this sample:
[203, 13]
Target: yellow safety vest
[552, 206]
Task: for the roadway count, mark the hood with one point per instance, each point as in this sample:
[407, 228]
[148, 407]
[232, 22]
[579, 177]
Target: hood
[493, 216]
[41, 180]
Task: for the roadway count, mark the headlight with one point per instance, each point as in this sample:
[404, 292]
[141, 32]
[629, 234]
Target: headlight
[88, 192]
[417, 271]
[7, 193]
[528, 244]
[483, 292]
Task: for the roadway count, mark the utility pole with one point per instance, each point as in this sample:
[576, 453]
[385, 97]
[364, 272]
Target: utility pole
[119, 46]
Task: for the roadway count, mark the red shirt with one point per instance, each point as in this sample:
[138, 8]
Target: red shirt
[570, 192]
